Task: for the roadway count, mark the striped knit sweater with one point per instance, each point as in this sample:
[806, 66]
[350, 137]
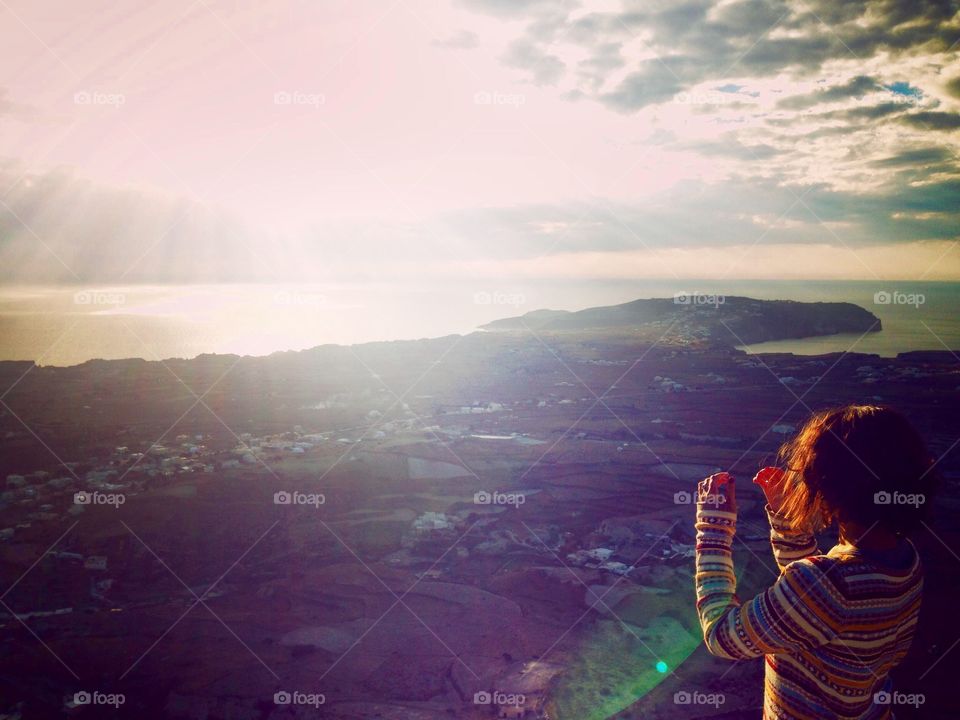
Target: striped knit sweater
[831, 627]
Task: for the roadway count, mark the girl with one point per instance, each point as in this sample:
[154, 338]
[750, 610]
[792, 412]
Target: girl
[833, 624]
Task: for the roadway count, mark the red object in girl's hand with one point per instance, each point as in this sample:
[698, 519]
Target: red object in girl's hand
[771, 481]
[769, 476]
[722, 478]
[718, 489]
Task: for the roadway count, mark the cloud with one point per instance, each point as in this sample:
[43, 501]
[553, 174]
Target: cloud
[606, 58]
[515, 8]
[63, 228]
[685, 42]
[543, 68]
[59, 227]
[856, 87]
[463, 40]
[697, 214]
[732, 147]
[868, 112]
[801, 93]
[953, 87]
[921, 156]
[932, 120]
[656, 81]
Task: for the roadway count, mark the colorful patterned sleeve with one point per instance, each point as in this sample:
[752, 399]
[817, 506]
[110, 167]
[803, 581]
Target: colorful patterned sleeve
[797, 612]
[788, 542]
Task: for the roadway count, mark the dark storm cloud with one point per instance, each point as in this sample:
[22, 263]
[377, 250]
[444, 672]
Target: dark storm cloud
[924, 156]
[856, 87]
[654, 81]
[953, 87]
[871, 112]
[932, 120]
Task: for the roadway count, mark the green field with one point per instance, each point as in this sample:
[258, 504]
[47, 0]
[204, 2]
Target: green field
[617, 661]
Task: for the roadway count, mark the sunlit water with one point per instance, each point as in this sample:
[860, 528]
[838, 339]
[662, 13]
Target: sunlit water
[69, 325]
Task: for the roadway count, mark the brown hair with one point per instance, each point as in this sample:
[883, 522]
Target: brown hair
[861, 463]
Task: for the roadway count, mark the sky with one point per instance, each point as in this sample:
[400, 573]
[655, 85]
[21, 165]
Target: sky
[216, 141]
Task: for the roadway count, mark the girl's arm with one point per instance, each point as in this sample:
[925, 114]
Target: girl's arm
[788, 543]
[795, 613]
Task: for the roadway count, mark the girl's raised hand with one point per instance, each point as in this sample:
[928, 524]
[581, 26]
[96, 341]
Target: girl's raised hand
[718, 490]
[771, 480]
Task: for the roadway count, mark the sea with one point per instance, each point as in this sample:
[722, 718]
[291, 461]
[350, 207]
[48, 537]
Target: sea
[67, 325]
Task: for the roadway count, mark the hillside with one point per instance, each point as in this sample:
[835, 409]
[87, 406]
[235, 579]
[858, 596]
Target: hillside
[729, 320]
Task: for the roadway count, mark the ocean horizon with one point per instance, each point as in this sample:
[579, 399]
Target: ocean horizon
[67, 325]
